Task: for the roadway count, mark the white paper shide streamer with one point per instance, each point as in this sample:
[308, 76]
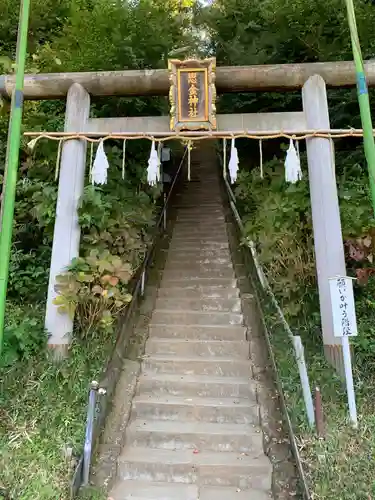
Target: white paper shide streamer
[153, 172]
[31, 145]
[100, 167]
[293, 172]
[233, 162]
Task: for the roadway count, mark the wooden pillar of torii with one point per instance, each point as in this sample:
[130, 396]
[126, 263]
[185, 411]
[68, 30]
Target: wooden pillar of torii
[311, 78]
[66, 236]
[328, 244]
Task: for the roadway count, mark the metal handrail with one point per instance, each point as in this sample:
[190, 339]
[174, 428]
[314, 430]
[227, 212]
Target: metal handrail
[94, 425]
[295, 339]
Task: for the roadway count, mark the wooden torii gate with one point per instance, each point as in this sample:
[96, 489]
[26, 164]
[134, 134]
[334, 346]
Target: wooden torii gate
[311, 79]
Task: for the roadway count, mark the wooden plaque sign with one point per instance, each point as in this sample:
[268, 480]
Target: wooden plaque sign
[192, 94]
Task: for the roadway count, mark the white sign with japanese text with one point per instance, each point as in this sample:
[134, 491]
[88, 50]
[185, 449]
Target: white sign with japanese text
[343, 308]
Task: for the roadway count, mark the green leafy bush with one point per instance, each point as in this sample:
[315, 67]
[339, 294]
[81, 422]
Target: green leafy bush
[28, 275]
[94, 289]
[118, 222]
[24, 334]
[277, 216]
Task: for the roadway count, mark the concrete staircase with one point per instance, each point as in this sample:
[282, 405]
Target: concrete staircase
[194, 431]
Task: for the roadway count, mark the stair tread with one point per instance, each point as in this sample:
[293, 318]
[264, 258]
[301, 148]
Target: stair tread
[181, 427]
[183, 359]
[231, 493]
[195, 401]
[191, 316]
[211, 458]
[204, 289]
[204, 379]
[197, 341]
[191, 325]
[196, 325]
[230, 304]
[196, 313]
[151, 490]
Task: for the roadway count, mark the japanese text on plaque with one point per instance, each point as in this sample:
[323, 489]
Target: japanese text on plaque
[193, 95]
[343, 309]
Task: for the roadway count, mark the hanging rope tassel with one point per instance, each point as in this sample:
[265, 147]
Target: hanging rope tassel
[153, 166]
[233, 163]
[91, 160]
[293, 172]
[332, 154]
[160, 146]
[224, 158]
[100, 167]
[58, 160]
[297, 149]
[190, 147]
[261, 159]
[123, 159]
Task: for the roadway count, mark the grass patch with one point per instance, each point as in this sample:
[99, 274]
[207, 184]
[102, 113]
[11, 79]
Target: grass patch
[341, 465]
[42, 411]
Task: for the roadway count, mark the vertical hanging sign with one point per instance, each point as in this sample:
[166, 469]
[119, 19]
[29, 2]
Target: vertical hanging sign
[345, 326]
[192, 94]
[343, 309]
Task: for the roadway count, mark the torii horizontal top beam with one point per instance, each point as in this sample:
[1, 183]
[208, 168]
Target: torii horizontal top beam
[277, 77]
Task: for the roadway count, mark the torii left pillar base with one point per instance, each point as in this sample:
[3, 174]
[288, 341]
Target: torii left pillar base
[67, 232]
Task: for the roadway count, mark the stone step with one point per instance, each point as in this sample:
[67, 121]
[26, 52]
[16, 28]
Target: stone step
[205, 234]
[187, 467]
[199, 184]
[195, 187]
[198, 273]
[198, 187]
[204, 205]
[198, 252]
[191, 201]
[200, 269]
[181, 317]
[188, 283]
[197, 246]
[198, 436]
[187, 220]
[207, 239]
[216, 206]
[186, 260]
[200, 194]
[148, 490]
[200, 276]
[199, 304]
[173, 408]
[224, 367]
[200, 332]
[202, 221]
[196, 348]
[196, 385]
[197, 224]
[196, 211]
[199, 292]
[230, 493]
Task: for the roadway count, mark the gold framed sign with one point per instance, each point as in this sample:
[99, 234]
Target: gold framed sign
[192, 94]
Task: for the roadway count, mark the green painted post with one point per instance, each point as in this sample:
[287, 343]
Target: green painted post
[12, 159]
[363, 99]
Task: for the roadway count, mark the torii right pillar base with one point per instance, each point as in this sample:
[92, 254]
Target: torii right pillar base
[328, 244]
